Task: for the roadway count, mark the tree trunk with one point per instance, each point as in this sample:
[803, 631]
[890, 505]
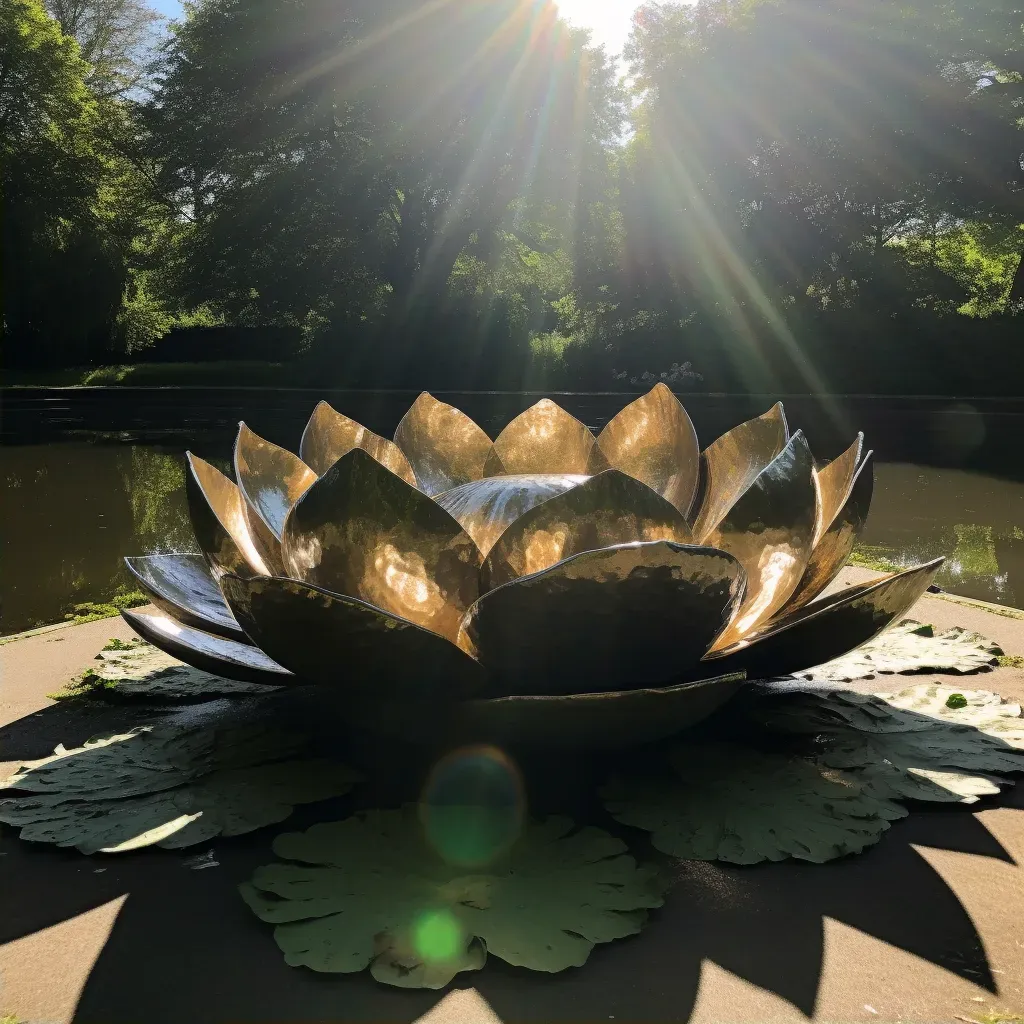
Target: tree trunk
[1017, 288]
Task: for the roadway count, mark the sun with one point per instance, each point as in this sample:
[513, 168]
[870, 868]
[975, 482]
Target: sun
[608, 20]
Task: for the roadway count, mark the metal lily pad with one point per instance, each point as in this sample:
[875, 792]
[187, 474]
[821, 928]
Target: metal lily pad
[169, 786]
[945, 764]
[370, 892]
[910, 647]
[732, 803]
[147, 673]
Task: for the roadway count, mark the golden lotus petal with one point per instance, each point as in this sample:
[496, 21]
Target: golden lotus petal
[329, 435]
[617, 718]
[608, 509]
[635, 615]
[486, 508]
[184, 588]
[345, 643]
[217, 511]
[826, 629]
[544, 439]
[201, 650]
[443, 445]
[770, 529]
[836, 544]
[734, 461]
[271, 479]
[364, 532]
[653, 440]
[834, 481]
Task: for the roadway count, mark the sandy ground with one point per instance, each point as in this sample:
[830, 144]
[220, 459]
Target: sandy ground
[927, 926]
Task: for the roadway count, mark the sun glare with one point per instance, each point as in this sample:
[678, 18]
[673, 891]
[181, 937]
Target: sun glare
[608, 20]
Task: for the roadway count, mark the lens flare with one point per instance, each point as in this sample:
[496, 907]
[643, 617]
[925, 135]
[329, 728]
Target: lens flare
[472, 806]
[437, 936]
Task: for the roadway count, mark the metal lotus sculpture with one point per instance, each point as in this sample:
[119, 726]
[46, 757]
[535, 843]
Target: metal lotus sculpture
[550, 585]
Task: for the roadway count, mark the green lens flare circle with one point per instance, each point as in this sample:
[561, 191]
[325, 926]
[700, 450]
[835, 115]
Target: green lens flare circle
[472, 806]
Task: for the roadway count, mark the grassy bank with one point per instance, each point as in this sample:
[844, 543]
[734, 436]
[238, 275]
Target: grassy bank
[215, 374]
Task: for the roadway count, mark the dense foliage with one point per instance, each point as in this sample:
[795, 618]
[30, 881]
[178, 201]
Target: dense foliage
[795, 194]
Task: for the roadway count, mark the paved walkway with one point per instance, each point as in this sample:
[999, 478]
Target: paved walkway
[927, 926]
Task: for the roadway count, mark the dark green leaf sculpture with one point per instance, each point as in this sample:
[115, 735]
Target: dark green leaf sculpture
[910, 647]
[369, 891]
[729, 802]
[169, 786]
[919, 743]
[140, 670]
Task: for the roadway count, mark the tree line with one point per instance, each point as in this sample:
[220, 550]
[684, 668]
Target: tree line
[797, 194]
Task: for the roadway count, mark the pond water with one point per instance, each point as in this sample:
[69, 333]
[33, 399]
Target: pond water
[72, 509]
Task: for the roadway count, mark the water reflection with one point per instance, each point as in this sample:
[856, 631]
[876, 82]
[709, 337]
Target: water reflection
[976, 521]
[70, 511]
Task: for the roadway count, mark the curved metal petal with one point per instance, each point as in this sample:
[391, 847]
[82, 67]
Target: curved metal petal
[364, 532]
[770, 530]
[217, 511]
[828, 628]
[608, 509]
[629, 616]
[270, 479]
[734, 461]
[653, 440]
[443, 445]
[836, 544]
[486, 508]
[329, 435]
[618, 718]
[184, 588]
[207, 652]
[834, 481]
[544, 439]
[345, 643]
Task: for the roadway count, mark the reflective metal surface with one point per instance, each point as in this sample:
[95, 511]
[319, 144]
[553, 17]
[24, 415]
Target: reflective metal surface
[834, 482]
[486, 508]
[732, 463]
[329, 435]
[608, 509]
[618, 718]
[836, 544]
[271, 480]
[545, 439]
[347, 644]
[770, 530]
[623, 617]
[184, 588]
[364, 532]
[443, 445]
[217, 512]
[207, 652]
[828, 628]
[653, 440]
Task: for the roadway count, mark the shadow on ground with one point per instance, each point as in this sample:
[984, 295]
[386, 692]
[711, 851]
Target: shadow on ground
[185, 948]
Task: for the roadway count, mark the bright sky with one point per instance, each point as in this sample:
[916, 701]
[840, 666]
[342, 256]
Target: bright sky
[608, 20]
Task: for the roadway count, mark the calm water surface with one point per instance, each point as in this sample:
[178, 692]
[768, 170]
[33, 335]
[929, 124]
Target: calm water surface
[71, 510]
